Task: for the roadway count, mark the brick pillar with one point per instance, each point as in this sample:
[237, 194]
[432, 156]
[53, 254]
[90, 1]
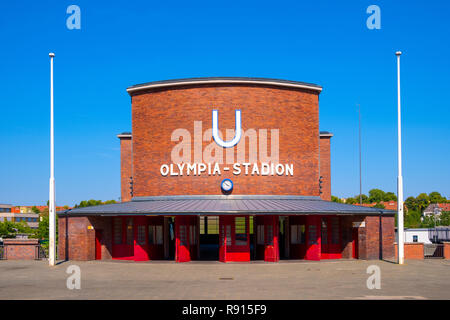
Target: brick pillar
[126, 168]
[387, 237]
[447, 250]
[369, 238]
[325, 167]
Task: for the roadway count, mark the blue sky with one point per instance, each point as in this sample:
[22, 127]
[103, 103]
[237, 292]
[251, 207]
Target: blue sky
[126, 43]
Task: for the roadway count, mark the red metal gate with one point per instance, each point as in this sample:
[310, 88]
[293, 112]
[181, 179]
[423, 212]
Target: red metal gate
[234, 238]
[186, 238]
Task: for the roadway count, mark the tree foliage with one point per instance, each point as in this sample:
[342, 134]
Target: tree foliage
[92, 202]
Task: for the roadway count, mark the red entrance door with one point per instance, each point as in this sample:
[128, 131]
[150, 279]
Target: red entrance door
[186, 238]
[123, 238]
[297, 237]
[140, 239]
[330, 238]
[98, 244]
[267, 238]
[234, 238]
[155, 232]
[355, 248]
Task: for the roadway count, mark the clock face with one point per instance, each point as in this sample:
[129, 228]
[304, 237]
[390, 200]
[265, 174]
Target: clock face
[227, 185]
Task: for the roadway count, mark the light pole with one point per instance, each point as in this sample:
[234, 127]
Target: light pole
[51, 205]
[360, 176]
[401, 239]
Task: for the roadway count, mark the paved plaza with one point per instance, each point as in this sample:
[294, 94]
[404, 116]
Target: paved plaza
[332, 279]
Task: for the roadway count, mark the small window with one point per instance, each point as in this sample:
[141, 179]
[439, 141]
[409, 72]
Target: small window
[298, 234]
[324, 231]
[335, 234]
[183, 238]
[141, 235]
[129, 231]
[228, 227]
[159, 234]
[117, 230]
[240, 231]
[269, 239]
[312, 234]
[151, 234]
[260, 238]
[415, 238]
[192, 235]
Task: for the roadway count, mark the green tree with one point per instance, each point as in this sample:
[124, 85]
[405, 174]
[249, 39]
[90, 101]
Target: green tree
[423, 200]
[350, 200]
[364, 198]
[376, 195]
[35, 209]
[336, 199]
[390, 196]
[380, 206]
[444, 219]
[412, 219]
[412, 204]
[436, 197]
[93, 202]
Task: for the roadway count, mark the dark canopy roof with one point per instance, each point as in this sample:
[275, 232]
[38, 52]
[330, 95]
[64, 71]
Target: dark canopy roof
[233, 205]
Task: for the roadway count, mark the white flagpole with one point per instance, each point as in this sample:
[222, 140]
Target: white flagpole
[51, 207]
[401, 238]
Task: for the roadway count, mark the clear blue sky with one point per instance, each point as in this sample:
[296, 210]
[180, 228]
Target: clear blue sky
[130, 42]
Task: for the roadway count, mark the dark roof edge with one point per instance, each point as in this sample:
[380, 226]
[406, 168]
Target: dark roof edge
[224, 80]
[226, 197]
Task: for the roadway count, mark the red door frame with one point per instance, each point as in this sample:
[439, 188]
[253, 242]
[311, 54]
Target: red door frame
[297, 250]
[186, 238]
[155, 251]
[233, 251]
[313, 243]
[122, 250]
[140, 249]
[355, 244]
[269, 251]
[331, 250]
[98, 244]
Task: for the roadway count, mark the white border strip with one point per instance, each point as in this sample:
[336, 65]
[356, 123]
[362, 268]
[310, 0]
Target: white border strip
[223, 81]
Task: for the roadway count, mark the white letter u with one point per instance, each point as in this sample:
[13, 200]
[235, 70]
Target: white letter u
[215, 130]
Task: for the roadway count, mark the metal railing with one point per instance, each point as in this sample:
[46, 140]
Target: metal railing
[432, 251]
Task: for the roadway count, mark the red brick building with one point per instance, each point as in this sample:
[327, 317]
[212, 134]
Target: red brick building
[229, 169]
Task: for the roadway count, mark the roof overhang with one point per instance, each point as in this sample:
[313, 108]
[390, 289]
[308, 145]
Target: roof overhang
[225, 205]
[224, 81]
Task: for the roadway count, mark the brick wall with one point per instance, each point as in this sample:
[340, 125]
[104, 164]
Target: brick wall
[76, 240]
[447, 250]
[157, 114]
[412, 251]
[21, 249]
[325, 167]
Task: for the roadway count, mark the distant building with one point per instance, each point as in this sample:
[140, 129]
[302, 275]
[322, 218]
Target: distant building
[388, 205]
[436, 208]
[425, 235]
[12, 214]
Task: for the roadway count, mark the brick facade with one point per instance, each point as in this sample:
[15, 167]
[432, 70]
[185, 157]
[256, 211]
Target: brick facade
[412, 251]
[157, 114]
[76, 239]
[21, 249]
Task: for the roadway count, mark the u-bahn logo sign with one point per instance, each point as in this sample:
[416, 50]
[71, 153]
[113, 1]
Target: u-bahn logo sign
[219, 155]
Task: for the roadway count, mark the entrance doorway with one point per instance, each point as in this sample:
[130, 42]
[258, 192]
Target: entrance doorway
[209, 238]
[355, 248]
[98, 244]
